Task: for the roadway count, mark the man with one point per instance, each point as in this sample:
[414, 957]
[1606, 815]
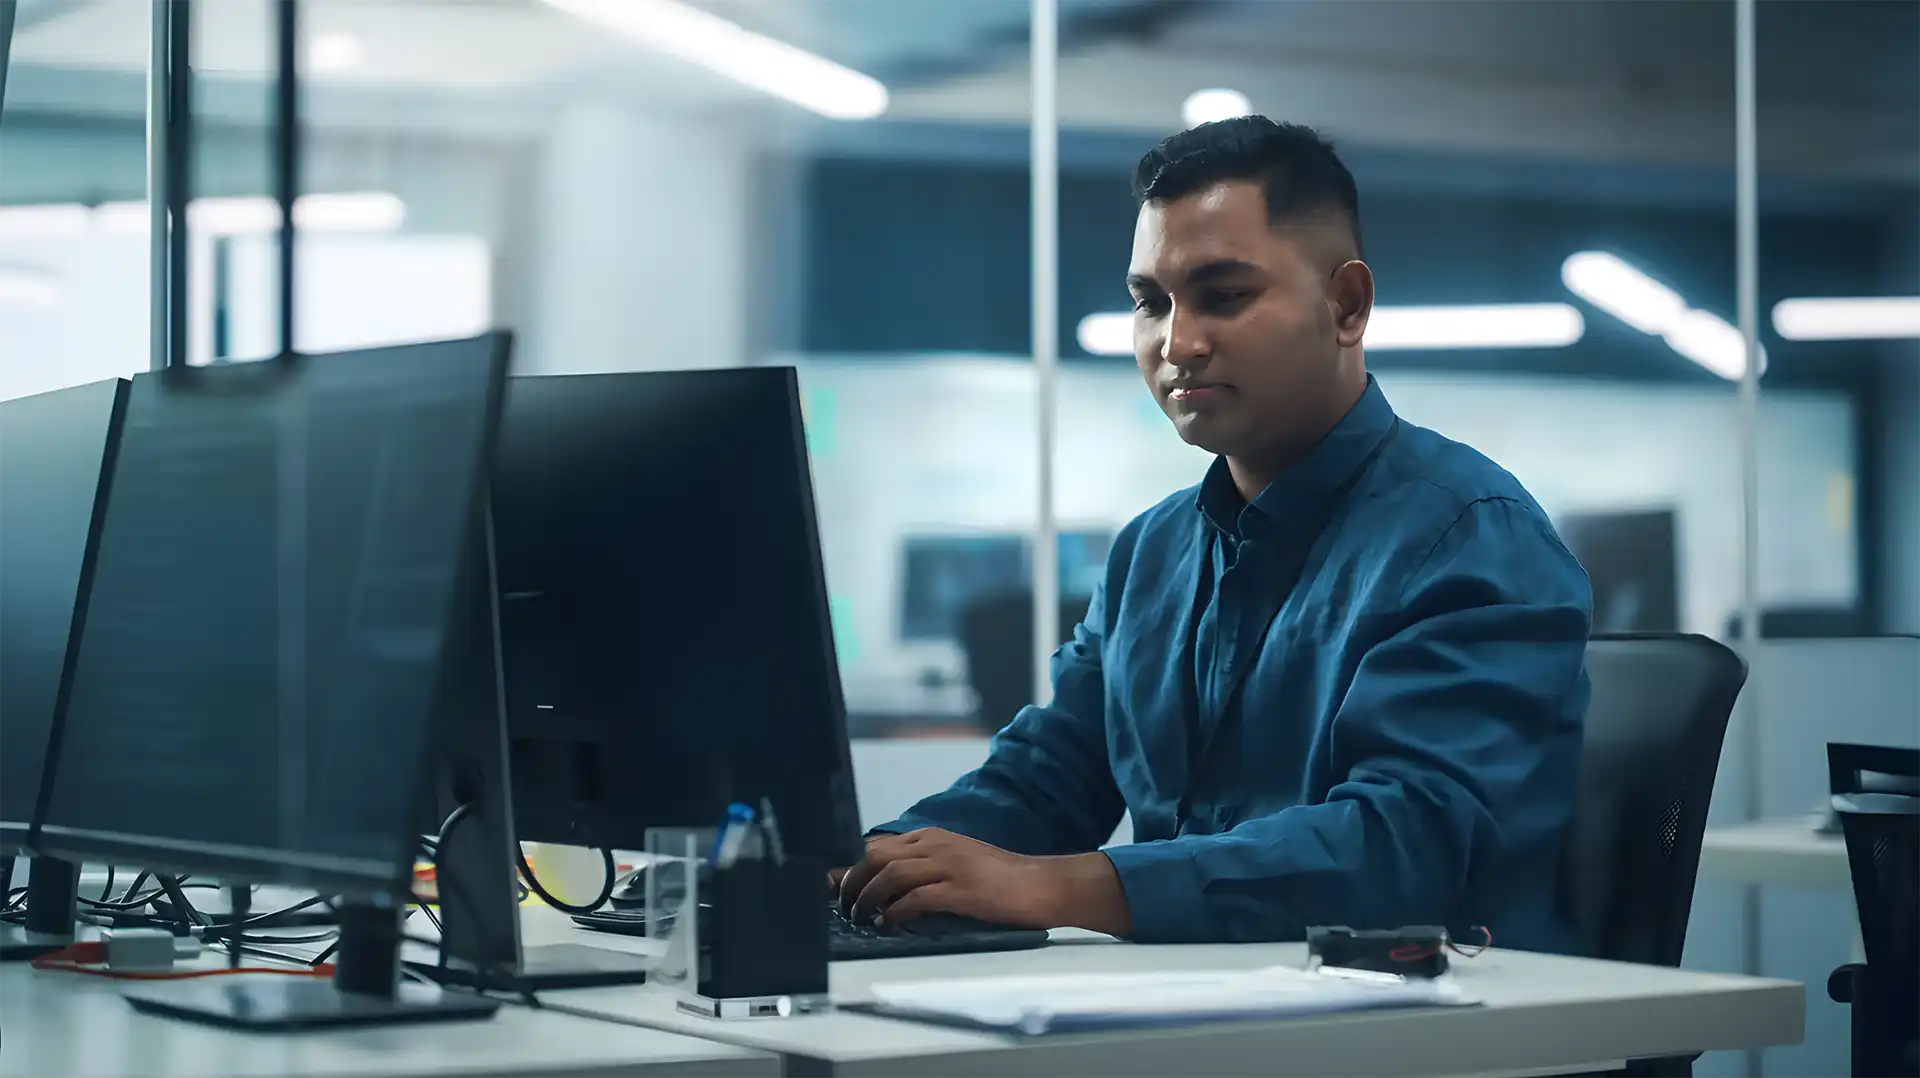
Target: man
[1339, 682]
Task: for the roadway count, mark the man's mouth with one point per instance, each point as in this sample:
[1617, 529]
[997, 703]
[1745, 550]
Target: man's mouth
[1194, 392]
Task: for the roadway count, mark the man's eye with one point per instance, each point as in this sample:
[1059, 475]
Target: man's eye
[1149, 304]
[1225, 298]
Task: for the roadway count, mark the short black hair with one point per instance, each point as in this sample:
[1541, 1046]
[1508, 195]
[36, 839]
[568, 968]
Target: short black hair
[1296, 167]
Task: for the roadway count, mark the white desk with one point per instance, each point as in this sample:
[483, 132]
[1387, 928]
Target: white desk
[1787, 851]
[1544, 1014]
[58, 1024]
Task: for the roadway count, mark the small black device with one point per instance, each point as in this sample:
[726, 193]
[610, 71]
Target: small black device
[929, 934]
[1414, 951]
[56, 461]
[261, 651]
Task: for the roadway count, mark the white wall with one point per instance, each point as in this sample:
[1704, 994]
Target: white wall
[932, 445]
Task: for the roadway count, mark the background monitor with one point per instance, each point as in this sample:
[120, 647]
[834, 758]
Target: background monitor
[665, 641]
[55, 456]
[943, 574]
[261, 650]
[1632, 564]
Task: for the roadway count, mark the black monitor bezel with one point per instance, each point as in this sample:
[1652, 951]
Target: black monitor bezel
[349, 877]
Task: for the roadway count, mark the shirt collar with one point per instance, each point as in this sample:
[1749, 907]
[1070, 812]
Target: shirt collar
[1300, 496]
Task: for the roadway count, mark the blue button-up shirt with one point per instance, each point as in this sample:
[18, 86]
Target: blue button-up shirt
[1355, 701]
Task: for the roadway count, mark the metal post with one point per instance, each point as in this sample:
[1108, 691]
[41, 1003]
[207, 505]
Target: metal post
[286, 152]
[1747, 276]
[157, 174]
[1045, 212]
[178, 135]
[7, 9]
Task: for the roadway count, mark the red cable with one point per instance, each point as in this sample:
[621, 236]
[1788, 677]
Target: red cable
[72, 959]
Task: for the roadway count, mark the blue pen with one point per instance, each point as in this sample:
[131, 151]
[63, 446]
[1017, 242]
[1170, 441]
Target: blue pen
[733, 835]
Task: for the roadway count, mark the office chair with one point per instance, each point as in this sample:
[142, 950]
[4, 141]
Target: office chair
[1659, 713]
[1882, 832]
[996, 634]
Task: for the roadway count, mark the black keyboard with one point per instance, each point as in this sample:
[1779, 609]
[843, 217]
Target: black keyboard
[930, 934]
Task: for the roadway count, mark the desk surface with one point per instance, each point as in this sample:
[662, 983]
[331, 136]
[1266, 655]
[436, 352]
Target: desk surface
[1787, 851]
[55, 1024]
[1543, 1013]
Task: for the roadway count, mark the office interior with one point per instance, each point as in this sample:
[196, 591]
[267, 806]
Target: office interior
[623, 202]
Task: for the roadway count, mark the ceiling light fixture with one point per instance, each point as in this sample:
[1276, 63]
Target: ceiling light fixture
[731, 50]
[1622, 290]
[1485, 325]
[1208, 106]
[1862, 318]
[332, 53]
[245, 215]
[46, 221]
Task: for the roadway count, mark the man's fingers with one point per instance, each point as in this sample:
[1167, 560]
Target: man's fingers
[933, 898]
[893, 881]
[833, 880]
[853, 880]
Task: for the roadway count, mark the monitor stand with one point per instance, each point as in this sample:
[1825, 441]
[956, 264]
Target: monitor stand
[474, 869]
[53, 889]
[366, 989]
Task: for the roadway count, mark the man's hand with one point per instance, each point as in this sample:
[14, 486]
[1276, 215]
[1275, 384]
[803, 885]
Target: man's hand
[932, 870]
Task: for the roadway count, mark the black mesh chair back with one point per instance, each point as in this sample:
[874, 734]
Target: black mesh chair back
[1876, 795]
[1652, 747]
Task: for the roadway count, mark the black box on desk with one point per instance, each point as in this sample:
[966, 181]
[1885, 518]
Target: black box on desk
[766, 931]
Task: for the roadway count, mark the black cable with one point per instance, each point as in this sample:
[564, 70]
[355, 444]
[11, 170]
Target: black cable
[227, 931]
[107, 889]
[126, 901]
[179, 899]
[606, 889]
[321, 958]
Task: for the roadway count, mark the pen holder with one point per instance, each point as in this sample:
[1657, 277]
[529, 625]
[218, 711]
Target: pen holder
[755, 944]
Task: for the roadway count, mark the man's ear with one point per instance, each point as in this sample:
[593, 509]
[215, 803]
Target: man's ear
[1350, 295]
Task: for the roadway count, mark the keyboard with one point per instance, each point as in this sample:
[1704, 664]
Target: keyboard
[930, 934]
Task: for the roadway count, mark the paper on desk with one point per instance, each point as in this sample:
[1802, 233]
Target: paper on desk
[1047, 1004]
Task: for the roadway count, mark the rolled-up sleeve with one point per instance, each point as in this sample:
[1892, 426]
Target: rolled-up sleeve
[1046, 787]
[1458, 740]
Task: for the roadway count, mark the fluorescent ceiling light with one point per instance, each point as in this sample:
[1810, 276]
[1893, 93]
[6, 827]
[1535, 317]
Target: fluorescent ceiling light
[1207, 106]
[52, 221]
[1109, 333]
[353, 211]
[21, 287]
[1865, 318]
[1609, 283]
[1622, 290]
[1491, 325]
[1488, 325]
[728, 49]
[332, 53]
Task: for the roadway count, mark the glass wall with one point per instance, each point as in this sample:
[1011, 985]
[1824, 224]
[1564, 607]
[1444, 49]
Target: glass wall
[1839, 305]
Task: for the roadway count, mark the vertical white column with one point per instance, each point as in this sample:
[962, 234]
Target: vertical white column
[640, 232]
[1045, 213]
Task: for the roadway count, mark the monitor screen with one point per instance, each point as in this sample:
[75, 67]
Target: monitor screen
[53, 448]
[259, 662]
[943, 573]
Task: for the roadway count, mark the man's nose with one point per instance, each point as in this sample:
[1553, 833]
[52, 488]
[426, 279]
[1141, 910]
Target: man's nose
[1184, 344]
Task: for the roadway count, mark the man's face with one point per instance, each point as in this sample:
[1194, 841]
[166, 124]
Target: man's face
[1234, 327]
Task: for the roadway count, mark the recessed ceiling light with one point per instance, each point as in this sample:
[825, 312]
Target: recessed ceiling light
[331, 53]
[1207, 106]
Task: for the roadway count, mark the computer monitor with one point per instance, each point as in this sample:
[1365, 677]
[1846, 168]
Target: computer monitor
[260, 662]
[942, 574]
[663, 610]
[56, 456]
[663, 632]
[1632, 562]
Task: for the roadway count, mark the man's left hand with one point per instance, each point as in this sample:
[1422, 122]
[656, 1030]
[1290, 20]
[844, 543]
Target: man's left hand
[931, 870]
